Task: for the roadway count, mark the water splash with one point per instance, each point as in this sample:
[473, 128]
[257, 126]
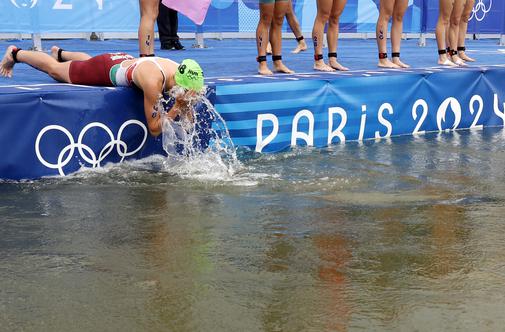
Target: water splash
[198, 144]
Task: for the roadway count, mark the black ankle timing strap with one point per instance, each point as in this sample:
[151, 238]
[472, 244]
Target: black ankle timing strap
[261, 58]
[332, 55]
[442, 52]
[318, 57]
[276, 57]
[14, 53]
[383, 55]
[299, 38]
[395, 54]
[461, 48]
[60, 59]
[146, 55]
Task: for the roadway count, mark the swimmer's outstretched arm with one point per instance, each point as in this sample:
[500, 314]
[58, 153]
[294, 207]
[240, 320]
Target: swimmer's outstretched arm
[152, 92]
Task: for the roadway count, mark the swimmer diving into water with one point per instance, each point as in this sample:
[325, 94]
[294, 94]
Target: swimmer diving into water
[153, 75]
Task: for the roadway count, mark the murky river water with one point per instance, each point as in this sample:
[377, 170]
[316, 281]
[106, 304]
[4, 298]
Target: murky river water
[406, 234]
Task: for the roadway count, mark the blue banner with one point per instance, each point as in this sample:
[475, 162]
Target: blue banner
[488, 16]
[359, 16]
[55, 129]
[59, 16]
[321, 109]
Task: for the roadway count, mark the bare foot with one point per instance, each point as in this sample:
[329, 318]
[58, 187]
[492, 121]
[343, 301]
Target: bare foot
[398, 62]
[465, 57]
[446, 62]
[7, 62]
[321, 66]
[269, 48]
[335, 65]
[281, 68]
[458, 61]
[263, 69]
[54, 52]
[385, 63]
[302, 46]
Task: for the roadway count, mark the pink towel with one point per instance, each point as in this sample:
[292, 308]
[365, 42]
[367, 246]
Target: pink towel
[195, 10]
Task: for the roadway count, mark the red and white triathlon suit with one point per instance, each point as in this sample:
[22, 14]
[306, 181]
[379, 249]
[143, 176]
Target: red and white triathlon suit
[97, 70]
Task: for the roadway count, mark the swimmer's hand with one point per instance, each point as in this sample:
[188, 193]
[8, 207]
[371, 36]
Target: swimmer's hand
[183, 107]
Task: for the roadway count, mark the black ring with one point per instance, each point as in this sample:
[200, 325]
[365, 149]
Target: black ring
[60, 59]
[14, 54]
[261, 58]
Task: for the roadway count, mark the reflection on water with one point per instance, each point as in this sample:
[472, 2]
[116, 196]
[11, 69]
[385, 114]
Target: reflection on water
[395, 235]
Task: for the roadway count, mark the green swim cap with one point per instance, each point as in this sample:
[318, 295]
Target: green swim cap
[189, 75]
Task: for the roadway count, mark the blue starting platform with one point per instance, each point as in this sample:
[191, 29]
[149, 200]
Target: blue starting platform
[50, 128]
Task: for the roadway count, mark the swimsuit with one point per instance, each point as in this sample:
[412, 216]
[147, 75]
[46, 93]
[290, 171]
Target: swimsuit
[123, 75]
[107, 70]
[95, 71]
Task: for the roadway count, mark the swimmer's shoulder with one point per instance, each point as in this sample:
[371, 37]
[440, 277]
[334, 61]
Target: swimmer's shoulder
[169, 66]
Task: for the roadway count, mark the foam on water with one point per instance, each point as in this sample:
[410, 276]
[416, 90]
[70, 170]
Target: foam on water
[199, 146]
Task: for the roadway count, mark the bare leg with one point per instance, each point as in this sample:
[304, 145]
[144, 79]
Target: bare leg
[262, 32]
[445, 9]
[323, 14]
[333, 29]
[269, 48]
[276, 35]
[148, 14]
[463, 27]
[69, 56]
[381, 32]
[457, 11]
[38, 60]
[295, 27]
[447, 34]
[397, 30]
[266, 15]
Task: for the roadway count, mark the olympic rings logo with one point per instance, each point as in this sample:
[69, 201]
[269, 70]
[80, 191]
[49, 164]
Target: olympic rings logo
[85, 151]
[481, 7]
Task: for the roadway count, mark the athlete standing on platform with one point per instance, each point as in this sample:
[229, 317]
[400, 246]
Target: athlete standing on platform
[152, 75]
[327, 11]
[388, 9]
[444, 16]
[297, 31]
[295, 27]
[453, 33]
[148, 16]
[272, 14]
[463, 27]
